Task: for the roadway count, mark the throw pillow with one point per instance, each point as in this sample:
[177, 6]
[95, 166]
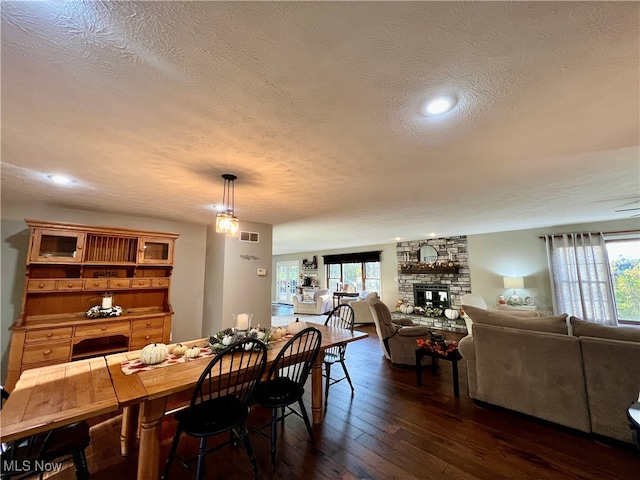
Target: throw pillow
[557, 324]
[306, 297]
[582, 328]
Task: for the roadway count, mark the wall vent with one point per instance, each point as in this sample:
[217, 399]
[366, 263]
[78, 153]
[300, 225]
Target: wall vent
[252, 237]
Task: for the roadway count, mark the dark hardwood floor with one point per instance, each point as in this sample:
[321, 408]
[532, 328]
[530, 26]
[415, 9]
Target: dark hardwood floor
[393, 429]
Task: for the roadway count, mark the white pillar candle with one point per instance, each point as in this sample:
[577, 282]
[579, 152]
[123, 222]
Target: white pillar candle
[243, 322]
[107, 301]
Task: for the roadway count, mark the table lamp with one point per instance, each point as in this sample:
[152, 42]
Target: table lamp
[514, 283]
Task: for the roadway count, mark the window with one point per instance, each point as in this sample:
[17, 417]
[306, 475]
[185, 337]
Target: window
[356, 271]
[624, 261]
[596, 276]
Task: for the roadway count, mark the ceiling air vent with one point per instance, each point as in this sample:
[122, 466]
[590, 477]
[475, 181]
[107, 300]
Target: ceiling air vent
[252, 237]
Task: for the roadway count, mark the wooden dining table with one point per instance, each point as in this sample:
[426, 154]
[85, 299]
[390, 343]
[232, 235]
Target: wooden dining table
[146, 396]
[48, 397]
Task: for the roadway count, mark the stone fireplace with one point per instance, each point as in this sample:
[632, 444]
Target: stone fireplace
[415, 287]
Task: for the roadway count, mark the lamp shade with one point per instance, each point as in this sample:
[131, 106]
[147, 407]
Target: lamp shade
[513, 282]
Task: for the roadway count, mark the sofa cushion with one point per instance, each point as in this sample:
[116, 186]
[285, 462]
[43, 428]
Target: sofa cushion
[582, 328]
[557, 324]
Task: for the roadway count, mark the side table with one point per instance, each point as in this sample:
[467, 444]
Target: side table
[453, 357]
[338, 295]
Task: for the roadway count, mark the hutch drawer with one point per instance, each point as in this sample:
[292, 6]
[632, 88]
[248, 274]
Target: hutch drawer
[66, 285]
[160, 282]
[118, 326]
[140, 282]
[119, 283]
[142, 323]
[33, 336]
[43, 353]
[143, 337]
[41, 285]
[96, 284]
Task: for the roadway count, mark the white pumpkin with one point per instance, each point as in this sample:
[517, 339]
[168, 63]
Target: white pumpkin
[227, 340]
[297, 326]
[451, 313]
[193, 352]
[277, 333]
[409, 309]
[154, 353]
[179, 349]
[403, 308]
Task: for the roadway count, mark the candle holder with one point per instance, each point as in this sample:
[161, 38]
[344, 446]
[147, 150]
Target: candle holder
[242, 322]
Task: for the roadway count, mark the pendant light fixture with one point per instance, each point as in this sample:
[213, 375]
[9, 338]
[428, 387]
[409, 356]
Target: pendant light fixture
[226, 221]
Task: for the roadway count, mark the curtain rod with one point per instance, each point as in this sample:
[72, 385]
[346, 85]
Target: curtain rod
[604, 233]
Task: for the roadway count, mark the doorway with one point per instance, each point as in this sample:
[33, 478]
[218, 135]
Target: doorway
[287, 278]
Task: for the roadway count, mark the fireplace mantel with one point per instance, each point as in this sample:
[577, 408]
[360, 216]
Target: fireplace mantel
[426, 269]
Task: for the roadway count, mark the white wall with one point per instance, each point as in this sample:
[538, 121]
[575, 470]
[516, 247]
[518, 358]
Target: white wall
[187, 283]
[232, 283]
[522, 254]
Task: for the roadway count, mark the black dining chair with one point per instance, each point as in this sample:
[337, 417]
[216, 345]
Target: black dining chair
[220, 403]
[34, 455]
[341, 316]
[285, 381]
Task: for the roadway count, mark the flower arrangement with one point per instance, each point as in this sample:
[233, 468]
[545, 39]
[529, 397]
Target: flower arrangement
[98, 312]
[226, 337]
[437, 344]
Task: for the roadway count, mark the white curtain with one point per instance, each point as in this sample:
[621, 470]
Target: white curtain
[582, 284]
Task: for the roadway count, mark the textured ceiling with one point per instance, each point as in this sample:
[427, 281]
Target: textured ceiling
[316, 107]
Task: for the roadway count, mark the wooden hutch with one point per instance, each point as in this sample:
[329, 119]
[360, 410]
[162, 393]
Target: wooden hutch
[70, 268]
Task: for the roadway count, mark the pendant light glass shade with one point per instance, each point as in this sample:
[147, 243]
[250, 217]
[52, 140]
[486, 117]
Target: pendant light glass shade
[226, 221]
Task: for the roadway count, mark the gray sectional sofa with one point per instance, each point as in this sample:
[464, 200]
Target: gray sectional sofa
[567, 371]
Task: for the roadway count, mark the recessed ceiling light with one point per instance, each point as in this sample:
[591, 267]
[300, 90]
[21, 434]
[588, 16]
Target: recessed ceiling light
[439, 105]
[60, 179]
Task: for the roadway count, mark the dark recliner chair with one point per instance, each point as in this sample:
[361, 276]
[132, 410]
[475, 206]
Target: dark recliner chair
[397, 337]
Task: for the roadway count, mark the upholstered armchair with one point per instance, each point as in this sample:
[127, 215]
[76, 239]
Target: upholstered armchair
[312, 302]
[397, 338]
[361, 306]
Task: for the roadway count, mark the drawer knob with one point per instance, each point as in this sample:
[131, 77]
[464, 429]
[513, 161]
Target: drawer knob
[95, 284]
[69, 285]
[41, 285]
[49, 335]
[147, 337]
[104, 328]
[148, 323]
[140, 282]
[47, 352]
